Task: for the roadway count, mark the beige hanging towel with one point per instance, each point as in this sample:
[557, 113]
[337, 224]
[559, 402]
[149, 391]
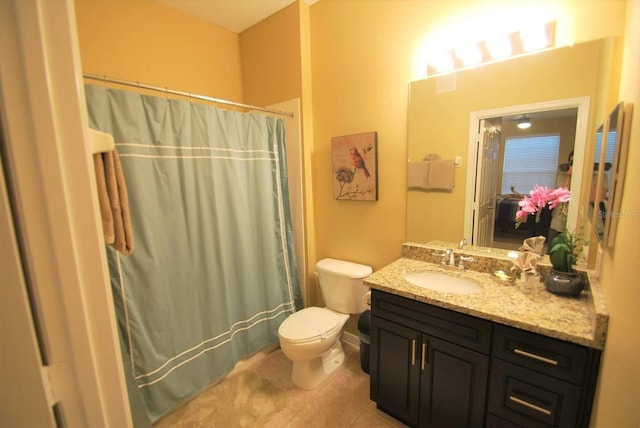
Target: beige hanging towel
[114, 201]
[441, 174]
[417, 174]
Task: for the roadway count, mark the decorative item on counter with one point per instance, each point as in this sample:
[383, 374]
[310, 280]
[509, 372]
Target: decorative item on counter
[533, 245]
[504, 277]
[528, 256]
[564, 248]
[526, 263]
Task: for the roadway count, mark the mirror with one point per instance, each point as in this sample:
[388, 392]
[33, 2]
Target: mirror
[445, 119]
[609, 164]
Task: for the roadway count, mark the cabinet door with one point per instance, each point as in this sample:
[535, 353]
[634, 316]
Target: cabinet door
[453, 385]
[395, 369]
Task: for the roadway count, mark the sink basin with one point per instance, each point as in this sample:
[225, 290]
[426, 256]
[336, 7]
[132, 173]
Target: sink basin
[441, 282]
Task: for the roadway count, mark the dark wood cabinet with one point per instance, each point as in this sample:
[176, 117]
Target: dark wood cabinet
[433, 367]
[416, 375]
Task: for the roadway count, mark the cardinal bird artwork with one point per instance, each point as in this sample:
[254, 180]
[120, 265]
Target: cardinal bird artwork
[355, 167]
[358, 162]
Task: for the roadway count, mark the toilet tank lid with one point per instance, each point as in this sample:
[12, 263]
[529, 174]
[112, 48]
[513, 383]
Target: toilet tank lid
[343, 268]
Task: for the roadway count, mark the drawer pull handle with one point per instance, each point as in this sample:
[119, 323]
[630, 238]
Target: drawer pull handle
[529, 405]
[413, 352]
[424, 355]
[536, 357]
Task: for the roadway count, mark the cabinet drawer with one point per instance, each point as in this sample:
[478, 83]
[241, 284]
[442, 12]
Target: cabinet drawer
[530, 399]
[464, 330]
[546, 355]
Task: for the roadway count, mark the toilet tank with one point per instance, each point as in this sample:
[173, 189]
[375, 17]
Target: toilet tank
[341, 285]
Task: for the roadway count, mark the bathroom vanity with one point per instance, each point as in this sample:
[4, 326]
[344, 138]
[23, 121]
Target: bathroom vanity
[509, 355]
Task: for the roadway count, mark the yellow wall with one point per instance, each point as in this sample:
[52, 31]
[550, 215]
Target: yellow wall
[271, 59]
[617, 400]
[147, 42]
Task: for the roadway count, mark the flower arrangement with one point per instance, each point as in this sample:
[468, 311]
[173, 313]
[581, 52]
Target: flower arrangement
[566, 246]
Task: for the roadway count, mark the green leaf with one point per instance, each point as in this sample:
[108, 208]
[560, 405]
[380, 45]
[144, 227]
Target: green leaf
[560, 254]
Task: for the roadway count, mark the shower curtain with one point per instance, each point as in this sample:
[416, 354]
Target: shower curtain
[213, 272]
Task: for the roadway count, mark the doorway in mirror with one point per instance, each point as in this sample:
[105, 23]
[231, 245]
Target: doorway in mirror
[510, 161]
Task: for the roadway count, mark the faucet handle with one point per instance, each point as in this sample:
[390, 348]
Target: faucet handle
[462, 260]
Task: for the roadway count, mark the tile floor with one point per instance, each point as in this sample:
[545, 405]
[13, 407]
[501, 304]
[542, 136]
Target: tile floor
[342, 401]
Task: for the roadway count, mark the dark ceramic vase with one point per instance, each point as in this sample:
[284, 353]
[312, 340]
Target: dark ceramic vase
[564, 283]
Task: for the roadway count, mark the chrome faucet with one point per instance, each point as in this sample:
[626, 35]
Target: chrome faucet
[448, 258]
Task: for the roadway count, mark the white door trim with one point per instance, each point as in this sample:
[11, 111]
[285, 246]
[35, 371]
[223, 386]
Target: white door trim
[52, 184]
[581, 103]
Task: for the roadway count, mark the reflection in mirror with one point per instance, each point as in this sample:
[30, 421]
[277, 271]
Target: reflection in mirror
[610, 171]
[596, 198]
[439, 121]
[542, 155]
[606, 151]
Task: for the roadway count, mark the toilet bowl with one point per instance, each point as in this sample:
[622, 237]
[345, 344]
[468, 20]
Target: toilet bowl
[310, 338]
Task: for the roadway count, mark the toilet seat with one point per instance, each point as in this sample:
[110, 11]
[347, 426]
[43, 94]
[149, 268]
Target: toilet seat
[311, 324]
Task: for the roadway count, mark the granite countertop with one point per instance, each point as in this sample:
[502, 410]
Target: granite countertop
[522, 304]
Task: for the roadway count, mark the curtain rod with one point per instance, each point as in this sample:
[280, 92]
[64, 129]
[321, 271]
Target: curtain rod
[184, 94]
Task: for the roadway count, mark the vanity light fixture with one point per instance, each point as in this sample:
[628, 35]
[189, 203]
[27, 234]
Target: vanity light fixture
[499, 47]
[529, 40]
[524, 122]
[469, 55]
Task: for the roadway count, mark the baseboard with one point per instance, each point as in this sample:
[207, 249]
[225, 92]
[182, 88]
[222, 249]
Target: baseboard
[350, 339]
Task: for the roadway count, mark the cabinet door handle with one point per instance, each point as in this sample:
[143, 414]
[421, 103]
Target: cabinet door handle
[413, 352]
[536, 357]
[424, 355]
[529, 405]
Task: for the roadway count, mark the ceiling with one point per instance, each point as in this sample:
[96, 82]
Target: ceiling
[234, 15]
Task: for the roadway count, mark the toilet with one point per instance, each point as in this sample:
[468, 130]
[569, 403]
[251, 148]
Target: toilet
[310, 338]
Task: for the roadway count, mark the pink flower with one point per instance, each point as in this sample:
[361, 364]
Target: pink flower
[559, 196]
[539, 197]
[527, 204]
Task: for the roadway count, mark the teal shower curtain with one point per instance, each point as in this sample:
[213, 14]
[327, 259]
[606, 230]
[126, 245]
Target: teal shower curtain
[213, 272]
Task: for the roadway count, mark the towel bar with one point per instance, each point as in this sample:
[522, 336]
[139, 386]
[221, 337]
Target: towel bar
[100, 141]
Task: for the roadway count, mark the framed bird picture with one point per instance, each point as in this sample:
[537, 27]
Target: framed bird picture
[355, 167]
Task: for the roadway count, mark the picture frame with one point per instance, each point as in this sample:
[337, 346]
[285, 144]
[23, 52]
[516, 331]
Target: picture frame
[355, 167]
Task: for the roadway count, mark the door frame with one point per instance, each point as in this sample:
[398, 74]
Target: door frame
[56, 224]
[582, 124]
